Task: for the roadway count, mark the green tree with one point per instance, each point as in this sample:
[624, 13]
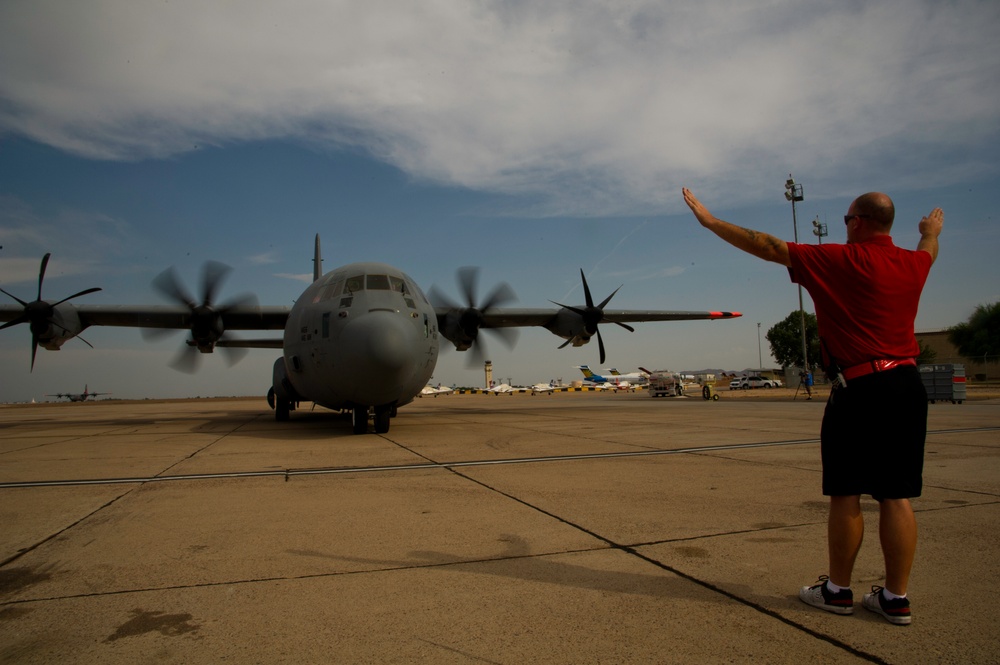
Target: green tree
[978, 337]
[927, 354]
[785, 339]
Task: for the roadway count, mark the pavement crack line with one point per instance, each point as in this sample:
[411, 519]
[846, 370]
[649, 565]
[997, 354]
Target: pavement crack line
[208, 445]
[632, 551]
[69, 527]
[59, 532]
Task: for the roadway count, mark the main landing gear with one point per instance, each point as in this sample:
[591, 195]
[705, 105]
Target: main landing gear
[282, 407]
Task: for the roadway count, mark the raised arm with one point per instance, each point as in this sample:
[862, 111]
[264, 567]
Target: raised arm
[930, 228]
[761, 245]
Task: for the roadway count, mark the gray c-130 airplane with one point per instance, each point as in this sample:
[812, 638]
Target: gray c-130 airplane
[362, 338]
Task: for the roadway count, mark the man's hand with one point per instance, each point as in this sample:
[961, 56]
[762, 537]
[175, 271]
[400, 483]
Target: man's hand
[930, 228]
[761, 245]
[700, 211]
[932, 223]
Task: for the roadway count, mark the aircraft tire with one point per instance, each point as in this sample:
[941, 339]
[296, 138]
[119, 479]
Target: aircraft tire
[281, 410]
[382, 414]
[359, 417]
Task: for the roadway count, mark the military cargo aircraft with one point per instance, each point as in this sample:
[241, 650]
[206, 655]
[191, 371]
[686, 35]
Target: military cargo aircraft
[79, 397]
[362, 338]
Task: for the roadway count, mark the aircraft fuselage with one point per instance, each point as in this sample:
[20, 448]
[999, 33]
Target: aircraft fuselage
[363, 335]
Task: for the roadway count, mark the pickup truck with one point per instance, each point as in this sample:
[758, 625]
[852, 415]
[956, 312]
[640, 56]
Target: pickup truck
[754, 381]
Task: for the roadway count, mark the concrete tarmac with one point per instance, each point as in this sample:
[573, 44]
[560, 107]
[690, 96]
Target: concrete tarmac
[566, 528]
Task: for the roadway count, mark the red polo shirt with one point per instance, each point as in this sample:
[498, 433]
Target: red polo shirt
[866, 296]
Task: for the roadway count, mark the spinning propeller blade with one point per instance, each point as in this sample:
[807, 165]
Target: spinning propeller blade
[40, 314]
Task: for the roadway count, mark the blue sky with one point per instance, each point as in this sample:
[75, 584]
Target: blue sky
[530, 140]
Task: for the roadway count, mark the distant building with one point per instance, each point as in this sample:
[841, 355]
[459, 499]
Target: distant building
[947, 354]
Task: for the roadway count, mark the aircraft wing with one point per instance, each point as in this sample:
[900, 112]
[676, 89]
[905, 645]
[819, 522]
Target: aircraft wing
[576, 325]
[266, 343]
[165, 316]
[516, 317]
[171, 316]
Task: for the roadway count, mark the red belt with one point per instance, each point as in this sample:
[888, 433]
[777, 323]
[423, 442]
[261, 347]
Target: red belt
[873, 366]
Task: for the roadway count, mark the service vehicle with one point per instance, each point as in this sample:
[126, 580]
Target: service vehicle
[663, 383]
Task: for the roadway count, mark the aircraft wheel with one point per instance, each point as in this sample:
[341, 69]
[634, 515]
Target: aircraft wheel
[281, 410]
[360, 419]
[382, 414]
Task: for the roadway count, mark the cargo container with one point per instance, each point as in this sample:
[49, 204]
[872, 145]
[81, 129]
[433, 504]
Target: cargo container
[944, 382]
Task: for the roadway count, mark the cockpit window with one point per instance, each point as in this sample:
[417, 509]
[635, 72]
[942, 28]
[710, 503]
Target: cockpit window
[378, 282]
[355, 284]
[331, 290]
[416, 289]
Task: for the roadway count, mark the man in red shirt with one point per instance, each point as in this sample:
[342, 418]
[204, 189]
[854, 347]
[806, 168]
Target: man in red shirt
[872, 438]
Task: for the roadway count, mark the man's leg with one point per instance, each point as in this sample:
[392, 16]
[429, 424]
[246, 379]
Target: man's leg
[898, 534]
[845, 531]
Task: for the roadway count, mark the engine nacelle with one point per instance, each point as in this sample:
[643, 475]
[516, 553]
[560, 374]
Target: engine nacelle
[454, 328]
[570, 326]
[61, 326]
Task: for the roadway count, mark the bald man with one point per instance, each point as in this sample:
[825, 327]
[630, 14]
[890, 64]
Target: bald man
[866, 294]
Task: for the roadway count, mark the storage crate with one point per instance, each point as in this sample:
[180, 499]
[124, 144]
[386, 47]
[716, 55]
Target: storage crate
[944, 382]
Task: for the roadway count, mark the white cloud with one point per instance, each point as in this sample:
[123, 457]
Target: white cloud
[595, 107]
[303, 277]
[262, 259]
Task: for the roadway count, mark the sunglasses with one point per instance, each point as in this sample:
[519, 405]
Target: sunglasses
[848, 218]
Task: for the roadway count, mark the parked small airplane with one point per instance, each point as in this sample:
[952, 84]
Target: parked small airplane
[614, 377]
[431, 390]
[544, 388]
[79, 397]
[361, 338]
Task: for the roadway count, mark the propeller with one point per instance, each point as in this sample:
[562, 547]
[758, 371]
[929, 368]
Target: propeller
[208, 323]
[592, 315]
[40, 314]
[464, 321]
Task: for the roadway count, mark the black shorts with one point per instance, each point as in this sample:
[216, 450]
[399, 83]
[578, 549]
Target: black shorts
[873, 436]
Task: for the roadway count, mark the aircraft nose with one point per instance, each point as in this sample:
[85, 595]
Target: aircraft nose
[381, 343]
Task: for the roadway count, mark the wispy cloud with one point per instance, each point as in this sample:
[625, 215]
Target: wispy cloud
[307, 278]
[596, 108]
[262, 259]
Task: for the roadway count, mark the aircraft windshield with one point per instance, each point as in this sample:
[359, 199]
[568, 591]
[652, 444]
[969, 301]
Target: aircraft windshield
[338, 286]
[386, 283]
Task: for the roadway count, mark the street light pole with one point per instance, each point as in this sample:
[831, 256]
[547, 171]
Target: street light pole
[793, 193]
[760, 358]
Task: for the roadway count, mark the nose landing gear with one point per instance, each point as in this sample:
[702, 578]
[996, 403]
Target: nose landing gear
[382, 414]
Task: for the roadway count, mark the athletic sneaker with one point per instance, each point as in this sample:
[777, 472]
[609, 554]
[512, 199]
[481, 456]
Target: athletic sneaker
[819, 596]
[895, 611]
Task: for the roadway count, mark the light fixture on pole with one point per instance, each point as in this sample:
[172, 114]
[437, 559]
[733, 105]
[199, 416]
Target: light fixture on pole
[819, 229]
[793, 193]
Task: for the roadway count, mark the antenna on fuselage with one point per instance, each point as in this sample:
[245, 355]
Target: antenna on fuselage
[317, 261]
